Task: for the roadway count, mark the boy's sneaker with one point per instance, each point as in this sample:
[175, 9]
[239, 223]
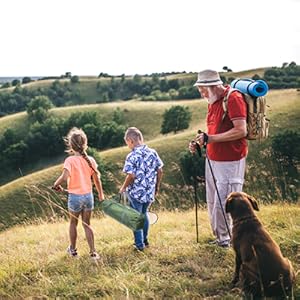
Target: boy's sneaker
[72, 252]
[135, 248]
[224, 244]
[94, 255]
[147, 245]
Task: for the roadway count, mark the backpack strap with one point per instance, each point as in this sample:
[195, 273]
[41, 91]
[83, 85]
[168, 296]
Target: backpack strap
[225, 106]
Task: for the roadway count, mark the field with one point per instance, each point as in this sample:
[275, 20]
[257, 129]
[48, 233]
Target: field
[34, 229]
[34, 264]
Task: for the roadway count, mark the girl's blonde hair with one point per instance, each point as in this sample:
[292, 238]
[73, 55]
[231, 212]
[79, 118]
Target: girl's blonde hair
[76, 141]
[134, 134]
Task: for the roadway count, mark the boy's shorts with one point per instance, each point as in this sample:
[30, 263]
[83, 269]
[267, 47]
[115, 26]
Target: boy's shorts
[78, 203]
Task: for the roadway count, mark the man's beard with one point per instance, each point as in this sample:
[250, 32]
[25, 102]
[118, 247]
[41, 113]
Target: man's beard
[212, 97]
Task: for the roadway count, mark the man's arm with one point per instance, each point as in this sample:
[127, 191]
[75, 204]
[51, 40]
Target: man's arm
[128, 180]
[238, 131]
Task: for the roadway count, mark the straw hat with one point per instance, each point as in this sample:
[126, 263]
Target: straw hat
[208, 78]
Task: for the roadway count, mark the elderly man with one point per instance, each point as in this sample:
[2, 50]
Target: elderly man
[226, 149]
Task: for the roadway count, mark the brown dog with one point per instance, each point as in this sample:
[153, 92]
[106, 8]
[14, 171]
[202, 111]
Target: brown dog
[260, 266]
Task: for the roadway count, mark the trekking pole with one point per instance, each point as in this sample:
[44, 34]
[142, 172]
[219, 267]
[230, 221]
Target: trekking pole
[195, 195]
[196, 211]
[214, 178]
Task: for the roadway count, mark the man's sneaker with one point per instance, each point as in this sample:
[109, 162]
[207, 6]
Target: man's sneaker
[224, 244]
[94, 255]
[146, 244]
[213, 242]
[72, 252]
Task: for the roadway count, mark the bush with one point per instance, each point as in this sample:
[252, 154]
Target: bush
[176, 118]
[286, 146]
[26, 80]
[75, 79]
[38, 107]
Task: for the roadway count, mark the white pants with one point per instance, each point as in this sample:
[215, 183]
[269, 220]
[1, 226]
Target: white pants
[229, 177]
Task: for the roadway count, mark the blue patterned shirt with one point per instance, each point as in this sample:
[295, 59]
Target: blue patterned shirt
[143, 162]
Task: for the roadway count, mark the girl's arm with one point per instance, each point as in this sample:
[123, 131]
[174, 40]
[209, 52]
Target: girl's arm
[98, 184]
[62, 178]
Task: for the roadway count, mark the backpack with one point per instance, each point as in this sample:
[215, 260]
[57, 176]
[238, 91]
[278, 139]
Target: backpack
[257, 121]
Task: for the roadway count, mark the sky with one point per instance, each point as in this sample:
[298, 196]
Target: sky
[87, 37]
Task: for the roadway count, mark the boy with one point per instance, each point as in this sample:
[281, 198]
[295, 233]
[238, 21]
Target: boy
[143, 167]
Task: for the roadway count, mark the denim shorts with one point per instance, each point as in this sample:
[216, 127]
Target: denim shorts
[78, 203]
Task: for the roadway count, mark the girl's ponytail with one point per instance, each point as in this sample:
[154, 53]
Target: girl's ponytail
[77, 141]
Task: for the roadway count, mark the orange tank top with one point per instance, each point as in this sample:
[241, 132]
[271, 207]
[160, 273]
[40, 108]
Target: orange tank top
[80, 172]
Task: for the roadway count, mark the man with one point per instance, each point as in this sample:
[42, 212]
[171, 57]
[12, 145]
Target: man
[143, 168]
[226, 150]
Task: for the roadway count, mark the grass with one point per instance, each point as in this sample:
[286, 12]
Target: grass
[34, 263]
[245, 73]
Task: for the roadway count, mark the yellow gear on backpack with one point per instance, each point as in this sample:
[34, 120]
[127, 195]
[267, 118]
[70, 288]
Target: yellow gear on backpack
[257, 121]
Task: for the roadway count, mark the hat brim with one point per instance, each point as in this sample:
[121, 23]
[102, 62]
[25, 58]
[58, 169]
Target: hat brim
[201, 83]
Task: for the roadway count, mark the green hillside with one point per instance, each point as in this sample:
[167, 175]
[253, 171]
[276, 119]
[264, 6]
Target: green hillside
[135, 112]
[34, 264]
[16, 206]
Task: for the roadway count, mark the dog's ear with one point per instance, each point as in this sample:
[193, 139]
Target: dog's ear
[253, 202]
[229, 205]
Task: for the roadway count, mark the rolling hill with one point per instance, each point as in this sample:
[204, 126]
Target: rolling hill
[17, 206]
[33, 227]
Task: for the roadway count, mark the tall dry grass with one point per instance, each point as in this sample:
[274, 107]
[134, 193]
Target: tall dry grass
[34, 262]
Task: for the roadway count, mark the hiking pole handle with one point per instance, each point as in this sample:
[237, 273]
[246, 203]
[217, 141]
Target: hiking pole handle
[205, 137]
[197, 146]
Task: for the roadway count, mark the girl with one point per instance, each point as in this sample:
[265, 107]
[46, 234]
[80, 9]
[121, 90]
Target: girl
[77, 171]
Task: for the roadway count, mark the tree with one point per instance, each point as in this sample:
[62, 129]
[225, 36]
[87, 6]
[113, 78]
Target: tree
[14, 154]
[5, 85]
[75, 79]
[26, 80]
[118, 116]
[15, 82]
[192, 167]
[286, 146]
[45, 139]
[38, 107]
[176, 118]
[225, 68]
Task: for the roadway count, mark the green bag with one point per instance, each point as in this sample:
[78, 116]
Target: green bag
[123, 214]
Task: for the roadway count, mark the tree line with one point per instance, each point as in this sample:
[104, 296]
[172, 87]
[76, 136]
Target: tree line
[44, 137]
[146, 88]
